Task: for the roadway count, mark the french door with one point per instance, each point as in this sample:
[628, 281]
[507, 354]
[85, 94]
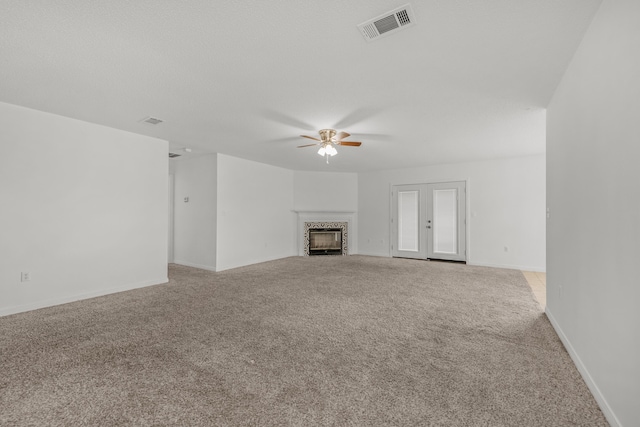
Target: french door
[428, 221]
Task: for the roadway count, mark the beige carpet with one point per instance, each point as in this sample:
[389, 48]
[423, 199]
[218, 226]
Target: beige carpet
[301, 341]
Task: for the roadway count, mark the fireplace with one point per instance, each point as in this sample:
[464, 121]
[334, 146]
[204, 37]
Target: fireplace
[346, 221]
[325, 241]
[325, 238]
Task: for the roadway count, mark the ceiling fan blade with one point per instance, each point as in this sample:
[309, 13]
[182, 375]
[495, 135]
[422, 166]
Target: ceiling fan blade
[308, 145]
[341, 135]
[311, 137]
[349, 143]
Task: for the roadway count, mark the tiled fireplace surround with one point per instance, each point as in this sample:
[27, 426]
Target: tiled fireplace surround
[326, 219]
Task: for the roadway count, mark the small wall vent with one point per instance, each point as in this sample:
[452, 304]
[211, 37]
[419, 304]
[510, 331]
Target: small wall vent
[152, 120]
[387, 23]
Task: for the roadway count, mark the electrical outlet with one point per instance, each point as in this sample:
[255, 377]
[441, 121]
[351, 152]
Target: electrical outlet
[25, 276]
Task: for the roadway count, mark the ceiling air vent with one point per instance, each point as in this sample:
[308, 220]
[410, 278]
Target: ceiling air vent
[172, 155]
[152, 120]
[388, 23]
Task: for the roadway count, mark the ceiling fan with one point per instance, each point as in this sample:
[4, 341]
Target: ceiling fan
[329, 138]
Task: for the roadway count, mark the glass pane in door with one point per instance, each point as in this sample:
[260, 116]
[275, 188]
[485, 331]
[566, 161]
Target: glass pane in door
[408, 221]
[445, 221]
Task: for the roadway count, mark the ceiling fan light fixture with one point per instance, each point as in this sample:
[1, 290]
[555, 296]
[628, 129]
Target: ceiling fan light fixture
[327, 150]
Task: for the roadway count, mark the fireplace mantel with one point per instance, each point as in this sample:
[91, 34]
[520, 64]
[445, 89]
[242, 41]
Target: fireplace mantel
[325, 212]
[327, 216]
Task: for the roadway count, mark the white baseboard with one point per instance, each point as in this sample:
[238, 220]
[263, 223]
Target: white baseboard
[77, 297]
[479, 264]
[508, 266]
[194, 265]
[378, 254]
[272, 257]
[597, 394]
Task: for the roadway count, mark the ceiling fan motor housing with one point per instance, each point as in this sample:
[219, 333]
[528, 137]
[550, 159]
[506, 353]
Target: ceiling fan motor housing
[327, 134]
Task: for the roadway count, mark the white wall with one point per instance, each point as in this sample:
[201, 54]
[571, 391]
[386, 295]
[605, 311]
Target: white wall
[326, 196]
[505, 207]
[255, 218]
[325, 191]
[84, 209]
[194, 223]
[593, 193]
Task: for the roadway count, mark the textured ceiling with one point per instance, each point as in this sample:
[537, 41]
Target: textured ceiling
[469, 81]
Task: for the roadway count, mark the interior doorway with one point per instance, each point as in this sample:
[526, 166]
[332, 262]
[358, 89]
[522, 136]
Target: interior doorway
[428, 221]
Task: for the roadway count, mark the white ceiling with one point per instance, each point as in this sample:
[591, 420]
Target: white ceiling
[469, 81]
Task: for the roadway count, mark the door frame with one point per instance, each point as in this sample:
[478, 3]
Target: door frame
[171, 222]
[467, 210]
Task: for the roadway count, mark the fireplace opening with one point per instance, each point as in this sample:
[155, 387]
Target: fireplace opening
[325, 241]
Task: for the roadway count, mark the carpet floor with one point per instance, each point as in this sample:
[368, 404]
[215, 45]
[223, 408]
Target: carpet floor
[301, 341]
